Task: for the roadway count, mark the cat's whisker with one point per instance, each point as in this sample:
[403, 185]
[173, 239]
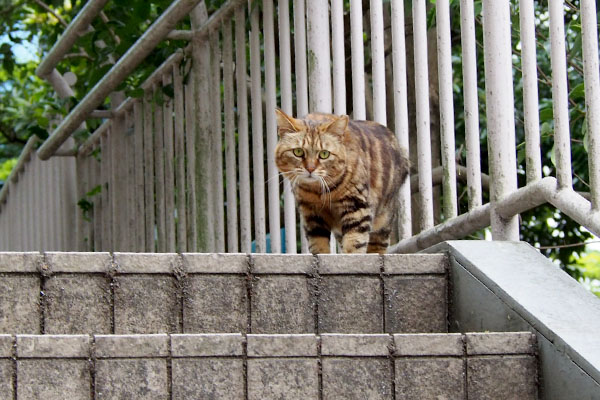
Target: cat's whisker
[278, 175]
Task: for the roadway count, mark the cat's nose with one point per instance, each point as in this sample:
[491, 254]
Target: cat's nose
[310, 168]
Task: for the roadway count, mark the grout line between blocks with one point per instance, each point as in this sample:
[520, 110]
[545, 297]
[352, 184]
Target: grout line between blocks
[14, 365]
[249, 287]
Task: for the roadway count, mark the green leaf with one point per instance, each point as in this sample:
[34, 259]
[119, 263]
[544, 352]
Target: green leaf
[96, 190]
[578, 92]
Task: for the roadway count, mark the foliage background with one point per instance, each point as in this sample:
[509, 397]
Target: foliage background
[28, 104]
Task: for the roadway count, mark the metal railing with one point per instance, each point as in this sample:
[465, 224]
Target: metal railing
[195, 172]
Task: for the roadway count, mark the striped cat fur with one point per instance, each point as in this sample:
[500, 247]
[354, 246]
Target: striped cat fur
[345, 176]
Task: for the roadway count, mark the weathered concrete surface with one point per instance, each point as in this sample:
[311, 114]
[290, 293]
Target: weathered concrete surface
[282, 345]
[431, 378]
[208, 378]
[53, 379]
[19, 303]
[131, 379]
[6, 379]
[77, 303]
[206, 345]
[429, 344]
[141, 346]
[502, 377]
[357, 378]
[283, 378]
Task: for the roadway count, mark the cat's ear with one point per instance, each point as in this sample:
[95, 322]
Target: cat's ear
[285, 123]
[338, 126]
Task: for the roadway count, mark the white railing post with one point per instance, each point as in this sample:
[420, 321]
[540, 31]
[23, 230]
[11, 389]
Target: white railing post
[500, 112]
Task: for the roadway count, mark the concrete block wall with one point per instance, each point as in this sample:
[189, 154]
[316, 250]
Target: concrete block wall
[129, 293]
[264, 366]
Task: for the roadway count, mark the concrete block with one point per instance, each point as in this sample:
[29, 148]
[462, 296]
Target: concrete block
[54, 379]
[146, 263]
[77, 303]
[220, 263]
[333, 344]
[142, 378]
[19, 303]
[282, 345]
[206, 345]
[357, 378]
[53, 346]
[6, 379]
[215, 303]
[75, 262]
[282, 263]
[20, 262]
[349, 263]
[430, 378]
[500, 343]
[502, 377]
[428, 344]
[283, 378]
[415, 263]
[6, 346]
[125, 346]
[350, 304]
[208, 378]
[415, 304]
[146, 304]
[282, 304]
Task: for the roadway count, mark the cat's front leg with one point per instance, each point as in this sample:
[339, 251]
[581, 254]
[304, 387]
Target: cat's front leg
[317, 233]
[356, 225]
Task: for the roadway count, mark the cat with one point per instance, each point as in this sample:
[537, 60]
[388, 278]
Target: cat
[345, 176]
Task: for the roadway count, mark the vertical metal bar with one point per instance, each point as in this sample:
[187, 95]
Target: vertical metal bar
[169, 162]
[190, 140]
[257, 133]
[178, 90]
[104, 220]
[471, 103]
[378, 62]
[130, 231]
[500, 112]
[70, 205]
[530, 92]
[159, 169]
[203, 125]
[54, 204]
[81, 191]
[285, 76]
[339, 58]
[230, 162]
[358, 60]
[149, 210]
[422, 100]
[560, 95]
[592, 95]
[450, 207]
[243, 146]
[270, 104]
[138, 154]
[401, 109]
[216, 144]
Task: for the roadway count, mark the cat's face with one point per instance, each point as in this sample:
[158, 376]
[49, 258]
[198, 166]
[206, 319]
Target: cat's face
[311, 151]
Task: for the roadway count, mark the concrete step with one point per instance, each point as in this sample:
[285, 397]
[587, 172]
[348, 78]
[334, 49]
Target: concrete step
[254, 366]
[131, 293]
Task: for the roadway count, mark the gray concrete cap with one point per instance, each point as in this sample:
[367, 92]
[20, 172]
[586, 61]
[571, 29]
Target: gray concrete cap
[282, 345]
[500, 343]
[19, 261]
[282, 263]
[53, 346]
[6, 346]
[349, 263]
[131, 346]
[414, 263]
[333, 344]
[146, 263]
[78, 262]
[428, 344]
[207, 345]
[221, 263]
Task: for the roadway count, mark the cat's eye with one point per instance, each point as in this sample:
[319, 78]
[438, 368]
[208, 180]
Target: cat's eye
[323, 154]
[298, 152]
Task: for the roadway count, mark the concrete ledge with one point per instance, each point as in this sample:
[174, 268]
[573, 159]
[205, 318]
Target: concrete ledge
[220, 263]
[429, 344]
[282, 345]
[146, 263]
[497, 343]
[53, 346]
[355, 345]
[131, 346]
[20, 262]
[6, 346]
[349, 263]
[207, 345]
[415, 263]
[79, 262]
[282, 263]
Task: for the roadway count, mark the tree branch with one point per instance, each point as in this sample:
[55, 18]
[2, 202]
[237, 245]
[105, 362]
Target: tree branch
[51, 11]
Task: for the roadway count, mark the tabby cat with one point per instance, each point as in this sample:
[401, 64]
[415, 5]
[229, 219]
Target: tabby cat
[345, 176]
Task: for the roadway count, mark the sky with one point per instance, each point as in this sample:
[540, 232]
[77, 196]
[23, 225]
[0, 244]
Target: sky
[24, 52]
